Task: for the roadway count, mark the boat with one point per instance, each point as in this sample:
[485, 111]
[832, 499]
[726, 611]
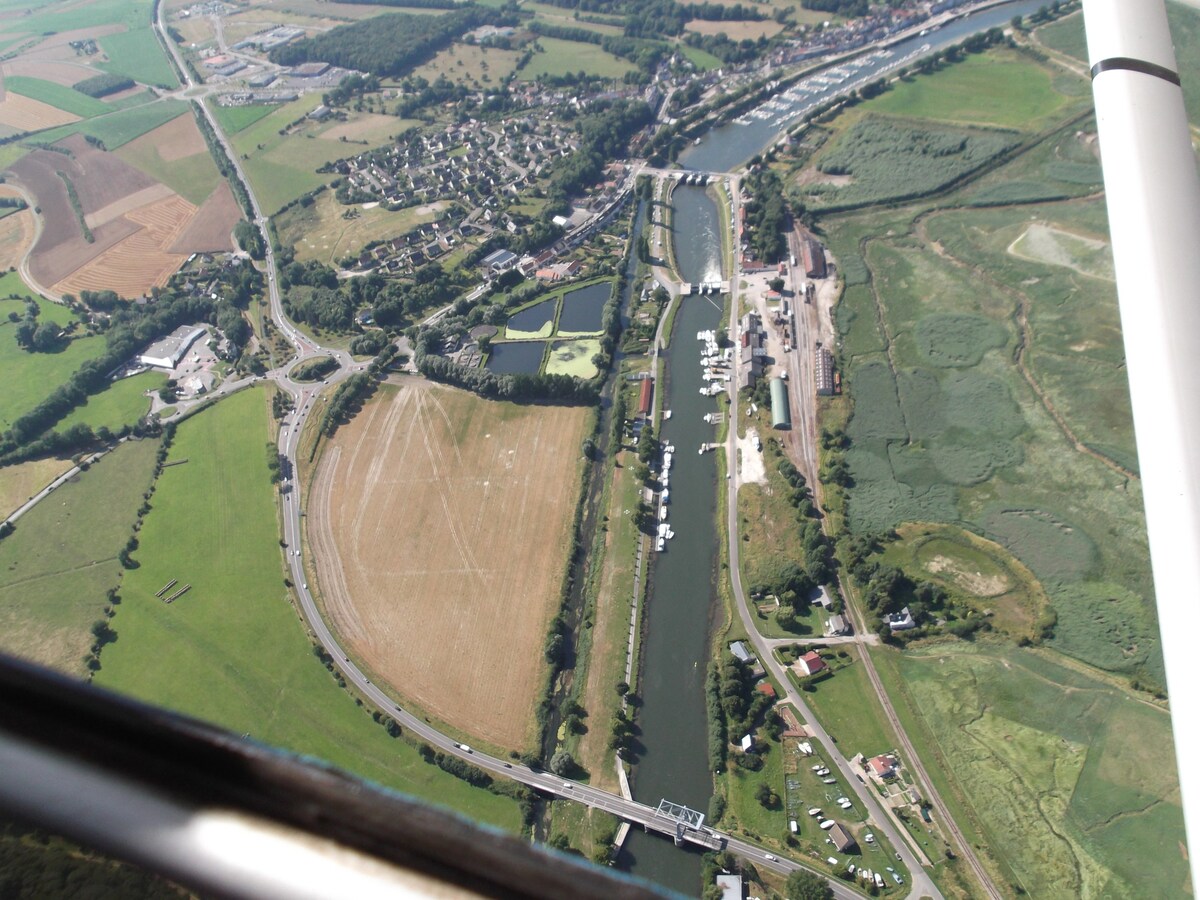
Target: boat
[666, 495]
[666, 414]
[660, 545]
[662, 513]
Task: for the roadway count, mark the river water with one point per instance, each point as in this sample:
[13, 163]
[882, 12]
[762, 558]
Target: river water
[725, 148]
[674, 762]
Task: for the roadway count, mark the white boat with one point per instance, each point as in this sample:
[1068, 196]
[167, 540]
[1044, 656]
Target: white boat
[666, 414]
[662, 513]
[660, 545]
[666, 495]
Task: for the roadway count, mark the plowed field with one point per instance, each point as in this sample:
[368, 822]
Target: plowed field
[439, 524]
[211, 228]
[142, 260]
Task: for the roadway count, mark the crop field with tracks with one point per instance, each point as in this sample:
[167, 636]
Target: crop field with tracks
[440, 524]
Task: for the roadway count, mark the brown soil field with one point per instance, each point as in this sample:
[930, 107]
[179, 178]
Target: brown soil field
[25, 114]
[65, 73]
[103, 177]
[140, 261]
[176, 140]
[439, 524]
[211, 228]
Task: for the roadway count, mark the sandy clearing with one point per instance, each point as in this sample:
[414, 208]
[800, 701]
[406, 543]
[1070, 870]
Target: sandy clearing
[751, 469]
[440, 526]
[26, 114]
[117, 208]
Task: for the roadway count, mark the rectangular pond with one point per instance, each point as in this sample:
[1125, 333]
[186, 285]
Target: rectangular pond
[536, 321]
[583, 309]
[516, 358]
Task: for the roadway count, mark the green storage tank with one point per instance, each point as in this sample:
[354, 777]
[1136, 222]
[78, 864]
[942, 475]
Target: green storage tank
[780, 416]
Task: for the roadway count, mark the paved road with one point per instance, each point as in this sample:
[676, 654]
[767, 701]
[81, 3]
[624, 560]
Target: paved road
[921, 884]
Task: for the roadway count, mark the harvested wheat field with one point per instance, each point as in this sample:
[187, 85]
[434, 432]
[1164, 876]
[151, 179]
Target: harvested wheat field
[68, 74]
[440, 524]
[26, 114]
[141, 261]
[211, 228]
[176, 140]
[16, 233]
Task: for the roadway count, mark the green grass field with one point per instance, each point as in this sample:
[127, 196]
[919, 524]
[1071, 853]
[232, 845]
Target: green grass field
[137, 54]
[234, 118]
[573, 358]
[1067, 36]
[56, 95]
[563, 57]
[121, 127]
[321, 232]
[1071, 781]
[846, 705]
[214, 526]
[31, 377]
[193, 177]
[16, 294]
[122, 404]
[1001, 88]
[56, 568]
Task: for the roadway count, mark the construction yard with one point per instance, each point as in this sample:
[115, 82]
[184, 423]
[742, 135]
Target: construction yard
[440, 524]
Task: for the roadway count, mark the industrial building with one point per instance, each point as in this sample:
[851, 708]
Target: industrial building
[812, 255]
[646, 397]
[781, 416]
[824, 373]
[167, 353]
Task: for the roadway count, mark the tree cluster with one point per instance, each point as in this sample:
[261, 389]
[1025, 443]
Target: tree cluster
[766, 216]
[604, 134]
[389, 45]
[102, 85]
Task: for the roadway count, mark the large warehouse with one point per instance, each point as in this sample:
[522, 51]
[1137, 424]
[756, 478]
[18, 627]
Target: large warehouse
[780, 416]
[167, 353]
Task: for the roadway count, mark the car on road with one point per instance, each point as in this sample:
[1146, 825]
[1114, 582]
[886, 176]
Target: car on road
[306, 585]
[770, 857]
[464, 748]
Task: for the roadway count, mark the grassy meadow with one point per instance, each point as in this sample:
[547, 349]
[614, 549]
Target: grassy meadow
[214, 525]
[59, 563]
[124, 403]
[560, 57]
[31, 377]
[1071, 782]
[322, 232]
[119, 128]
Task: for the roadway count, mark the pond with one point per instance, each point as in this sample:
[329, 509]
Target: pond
[583, 309]
[517, 358]
[537, 321]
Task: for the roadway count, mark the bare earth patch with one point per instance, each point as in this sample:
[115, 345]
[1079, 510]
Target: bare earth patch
[16, 233]
[973, 582]
[439, 525]
[176, 140]
[752, 468]
[813, 175]
[211, 228]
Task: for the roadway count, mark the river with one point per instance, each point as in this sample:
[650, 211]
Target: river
[674, 762]
[729, 146]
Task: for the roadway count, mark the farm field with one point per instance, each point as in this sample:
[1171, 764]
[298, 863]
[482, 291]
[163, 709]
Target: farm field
[176, 155]
[848, 708]
[471, 65]
[1001, 88]
[737, 30]
[214, 526]
[234, 118]
[20, 113]
[282, 167]
[121, 404]
[320, 231]
[563, 57]
[440, 520]
[119, 128]
[57, 566]
[29, 378]
[57, 95]
[20, 482]
[1071, 780]
[16, 234]
[141, 230]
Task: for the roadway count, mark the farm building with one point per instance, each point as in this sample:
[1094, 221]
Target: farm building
[824, 373]
[811, 663]
[842, 839]
[167, 353]
[646, 397]
[781, 417]
[812, 255]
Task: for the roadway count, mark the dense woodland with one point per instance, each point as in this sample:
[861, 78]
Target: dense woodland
[389, 45]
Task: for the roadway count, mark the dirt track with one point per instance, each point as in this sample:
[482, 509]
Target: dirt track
[439, 524]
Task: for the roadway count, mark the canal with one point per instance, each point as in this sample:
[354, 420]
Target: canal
[725, 148]
[674, 761]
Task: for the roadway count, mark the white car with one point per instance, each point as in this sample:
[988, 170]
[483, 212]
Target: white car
[770, 857]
